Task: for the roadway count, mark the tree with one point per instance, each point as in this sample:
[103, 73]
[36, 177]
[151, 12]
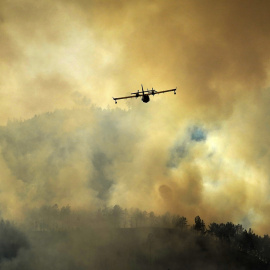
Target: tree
[11, 240]
[65, 211]
[117, 213]
[152, 219]
[199, 225]
[223, 231]
[179, 222]
[166, 220]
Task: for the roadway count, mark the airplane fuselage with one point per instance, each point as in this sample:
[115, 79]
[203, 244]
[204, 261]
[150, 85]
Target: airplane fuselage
[145, 98]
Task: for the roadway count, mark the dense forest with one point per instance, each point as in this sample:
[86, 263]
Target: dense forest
[114, 238]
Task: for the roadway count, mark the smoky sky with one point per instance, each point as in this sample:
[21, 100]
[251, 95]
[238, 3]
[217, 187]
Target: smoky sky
[203, 151]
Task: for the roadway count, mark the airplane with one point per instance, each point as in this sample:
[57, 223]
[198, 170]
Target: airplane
[145, 94]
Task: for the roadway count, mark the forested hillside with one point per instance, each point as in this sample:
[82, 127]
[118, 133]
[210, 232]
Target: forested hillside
[128, 239]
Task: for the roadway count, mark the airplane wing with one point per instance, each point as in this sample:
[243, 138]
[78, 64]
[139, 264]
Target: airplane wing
[165, 91]
[115, 99]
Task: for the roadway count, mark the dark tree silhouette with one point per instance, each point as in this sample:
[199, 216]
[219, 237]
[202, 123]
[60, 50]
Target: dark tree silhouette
[117, 213]
[11, 240]
[223, 231]
[199, 225]
[179, 222]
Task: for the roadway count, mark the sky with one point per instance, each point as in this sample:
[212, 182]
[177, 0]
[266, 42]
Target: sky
[203, 151]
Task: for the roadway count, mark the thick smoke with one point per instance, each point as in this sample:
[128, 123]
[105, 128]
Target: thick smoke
[203, 151]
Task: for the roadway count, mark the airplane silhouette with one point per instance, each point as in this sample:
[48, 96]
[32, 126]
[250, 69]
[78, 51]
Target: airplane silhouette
[145, 94]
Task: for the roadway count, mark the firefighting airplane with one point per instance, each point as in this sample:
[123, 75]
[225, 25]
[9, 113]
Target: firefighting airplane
[145, 94]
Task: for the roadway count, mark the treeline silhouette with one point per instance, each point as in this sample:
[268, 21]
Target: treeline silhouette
[11, 240]
[233, 239]
[117, 238]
